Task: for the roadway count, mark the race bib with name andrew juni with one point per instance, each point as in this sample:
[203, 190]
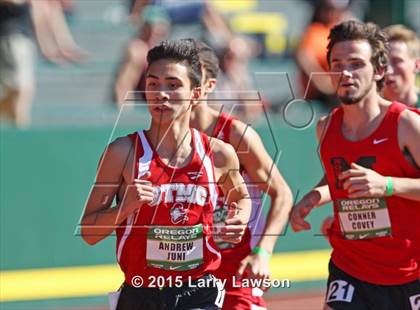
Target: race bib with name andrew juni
[175, 248]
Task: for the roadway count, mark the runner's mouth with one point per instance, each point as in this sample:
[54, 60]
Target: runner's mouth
[161, 108]
[347, 85]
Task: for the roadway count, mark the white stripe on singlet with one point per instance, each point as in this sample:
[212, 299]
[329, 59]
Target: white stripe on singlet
[208, 166]
[144, 165]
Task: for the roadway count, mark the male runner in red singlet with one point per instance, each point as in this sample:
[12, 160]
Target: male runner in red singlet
[400, 82]
[370, 151]
[251, 256]
[166, 182]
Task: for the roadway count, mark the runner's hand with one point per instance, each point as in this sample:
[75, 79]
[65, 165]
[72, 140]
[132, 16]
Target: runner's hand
[138, 193]
[302, 209]
[363, 182]
[234, 228]
[326, 227]
[255, 266]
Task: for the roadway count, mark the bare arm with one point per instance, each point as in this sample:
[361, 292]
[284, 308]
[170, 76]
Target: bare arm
[131, 70]
[318, 196]
[137, 8]
[52, 32]
[100, 218]
[234, 189]
[263, 173]
[309, 63]
[314, 71]
[409, 135]
[43, 34]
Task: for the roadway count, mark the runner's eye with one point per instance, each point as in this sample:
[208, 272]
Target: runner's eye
[151, 84]
[337, 66]
[357, 65]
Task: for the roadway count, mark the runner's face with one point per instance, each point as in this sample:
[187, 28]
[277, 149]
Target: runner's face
[168, 90]
[355, 78]
[401, 74]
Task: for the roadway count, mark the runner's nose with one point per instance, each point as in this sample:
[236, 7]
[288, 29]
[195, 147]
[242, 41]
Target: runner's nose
[346, 73]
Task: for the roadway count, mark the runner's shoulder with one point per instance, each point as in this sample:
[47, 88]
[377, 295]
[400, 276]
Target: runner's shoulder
[410, 119]
[119, 148]
[321, 126]
[224, 153]
[409, 125]
[221, 148]
[243, 134]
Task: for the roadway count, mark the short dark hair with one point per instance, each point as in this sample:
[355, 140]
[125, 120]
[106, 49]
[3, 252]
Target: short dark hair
[208, 59]
[180, 51]
[353, 30]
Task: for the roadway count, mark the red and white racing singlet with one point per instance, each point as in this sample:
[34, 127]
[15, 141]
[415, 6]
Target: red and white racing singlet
[172, 235]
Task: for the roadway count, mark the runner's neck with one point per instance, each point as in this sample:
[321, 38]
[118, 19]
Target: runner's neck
[171, 141]
[359, 117]
[204, 118]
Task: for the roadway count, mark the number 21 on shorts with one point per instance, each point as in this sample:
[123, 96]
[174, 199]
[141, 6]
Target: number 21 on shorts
[340, 290]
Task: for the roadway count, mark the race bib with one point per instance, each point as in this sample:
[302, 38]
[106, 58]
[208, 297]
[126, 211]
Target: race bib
[175, 248]
[415, 302]
[363, 218]
[340, 290]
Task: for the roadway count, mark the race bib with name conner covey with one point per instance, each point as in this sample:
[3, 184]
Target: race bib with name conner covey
[362, 218]
[175, 248]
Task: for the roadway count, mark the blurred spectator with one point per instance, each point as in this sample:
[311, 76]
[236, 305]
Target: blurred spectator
[17, 51]
[404, 64]
[53, 34]
[312, 51]
[234, 80]
[130, 77]
[16, 62]
[191, 12]
[234, 51]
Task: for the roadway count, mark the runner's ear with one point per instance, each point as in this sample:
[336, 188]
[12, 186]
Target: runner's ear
[417, 65]
[210, 85]
[196, 95]
[379, 74]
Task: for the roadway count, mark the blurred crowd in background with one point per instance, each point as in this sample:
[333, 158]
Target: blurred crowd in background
[245, 34]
